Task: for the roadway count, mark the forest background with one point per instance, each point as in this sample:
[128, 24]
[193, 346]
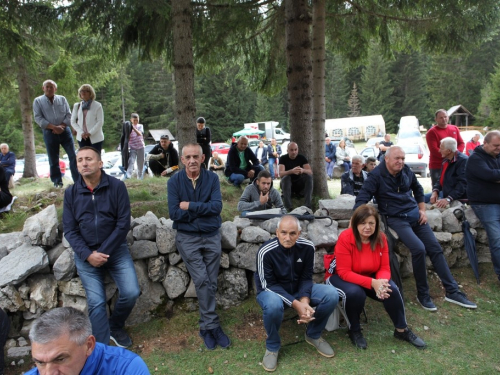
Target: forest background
[397, 81]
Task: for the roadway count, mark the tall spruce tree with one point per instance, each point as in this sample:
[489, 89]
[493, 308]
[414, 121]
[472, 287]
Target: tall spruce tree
[353, 102]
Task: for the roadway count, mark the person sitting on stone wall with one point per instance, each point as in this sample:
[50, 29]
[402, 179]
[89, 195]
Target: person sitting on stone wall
[260, 195]
[352, 180]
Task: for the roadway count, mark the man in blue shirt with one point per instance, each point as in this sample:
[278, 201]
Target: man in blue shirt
[53, 115]
[62, 342]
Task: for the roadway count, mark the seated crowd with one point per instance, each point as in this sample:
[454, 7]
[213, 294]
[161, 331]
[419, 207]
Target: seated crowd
[284, 264]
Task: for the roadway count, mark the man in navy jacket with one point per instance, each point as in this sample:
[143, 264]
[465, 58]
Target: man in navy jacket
[330, 158]
[401, 198]
[483, 190]
[195, 204]
[284, 278]
[96, 220]
[241, 163]
[7, 161]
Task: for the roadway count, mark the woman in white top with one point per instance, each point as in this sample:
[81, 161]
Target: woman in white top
[342, 155]
[87, 119]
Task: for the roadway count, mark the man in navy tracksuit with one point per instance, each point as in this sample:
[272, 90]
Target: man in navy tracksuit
[195, 204]
[284, 278]
[96, 220]
[401, 198]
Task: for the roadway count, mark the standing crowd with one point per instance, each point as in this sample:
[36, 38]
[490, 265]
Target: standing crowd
[96, 220]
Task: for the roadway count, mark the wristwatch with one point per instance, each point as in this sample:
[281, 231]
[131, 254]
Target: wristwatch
[448, 199]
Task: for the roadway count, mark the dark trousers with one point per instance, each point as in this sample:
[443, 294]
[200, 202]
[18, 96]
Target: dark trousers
[302, 185]
[4, 331]
[435, 176]
[156, 167]
[87, 142]
[354, 297]
[421, 241]
[52, 144]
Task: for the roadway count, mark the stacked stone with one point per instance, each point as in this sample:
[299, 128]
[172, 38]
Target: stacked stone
[38, 273]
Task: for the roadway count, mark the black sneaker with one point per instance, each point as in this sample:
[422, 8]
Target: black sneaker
[120, 338]
[208, 338]
[460, 299]
[426, 303]
[409, 336]
[357, 339]
[221, 338]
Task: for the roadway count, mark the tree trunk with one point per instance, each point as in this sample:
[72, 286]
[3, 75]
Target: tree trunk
[318, 102]
[299, 73]
[185, 107]
[27, 120]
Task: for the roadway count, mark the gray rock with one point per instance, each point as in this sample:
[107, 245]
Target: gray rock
[24, 291]
[148, 219]
[244, 256]
[157, 269]
[254, 235]
[319, 266]
[270, 225]
[28, 315]
[443, 237]
[10, 299]
[11, 343]
[3, 253]
[153, 294]
[450, 222]
[483, 254]
[25, 330]
[165, 240]
[406, 267]
[110, 289]
[176, 282]
[302, 210]
[72, 287]
[241, 222]
[482, 237]
[42, 227]
[322, 233]
[182, 267]
[18, 352]
[167, 223]
[191, 290]
[224, 260]
[65, 242]
[174, 258]
[143, 249]
[457, 240]
[232, 287]
[21, 341]
[130, 238]
[43, 291]
[339, 208]
[11, 241]
[13, 270]
[229, 235]
[56, 252]
[435, 220]
[145, 232]
[402, 250]
[65, 268]
[343, 223]
[79, 303]
[338, 171]
[318, 278]
[450, 256]
[472, 218]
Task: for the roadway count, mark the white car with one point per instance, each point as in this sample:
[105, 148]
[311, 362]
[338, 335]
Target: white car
[371, 142]
[416, 157]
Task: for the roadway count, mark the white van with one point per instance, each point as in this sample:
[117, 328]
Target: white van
[408, 122]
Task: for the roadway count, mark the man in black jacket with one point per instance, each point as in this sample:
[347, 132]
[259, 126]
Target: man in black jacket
[284, 278]
[96, 220]
[483, 190]
[452, 182]
[401, 198]
[164, 158]
[241, 163]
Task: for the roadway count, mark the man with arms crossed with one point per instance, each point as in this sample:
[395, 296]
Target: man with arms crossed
[96, 220]
[284, 278]
[195, 204]
[483, 190]
[62, 343]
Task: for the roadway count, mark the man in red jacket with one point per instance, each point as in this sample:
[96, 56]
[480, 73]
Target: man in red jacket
[439, 131]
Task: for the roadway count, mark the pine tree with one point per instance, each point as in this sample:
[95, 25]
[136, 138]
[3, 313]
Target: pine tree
[336, 87]
[353, 102]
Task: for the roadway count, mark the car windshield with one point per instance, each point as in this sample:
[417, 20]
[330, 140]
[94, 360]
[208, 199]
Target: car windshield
[408, 133]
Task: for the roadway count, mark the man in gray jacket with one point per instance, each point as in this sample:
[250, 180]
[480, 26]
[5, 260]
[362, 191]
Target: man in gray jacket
[260, 195]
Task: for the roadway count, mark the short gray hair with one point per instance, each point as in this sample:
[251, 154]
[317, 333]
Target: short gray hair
[192, 145]
[449, 143]
[292, 217]
[490, 135]
[49, 81]
[60, 321]
[360, 158]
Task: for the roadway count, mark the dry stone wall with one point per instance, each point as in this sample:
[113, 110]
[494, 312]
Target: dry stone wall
[38, 273]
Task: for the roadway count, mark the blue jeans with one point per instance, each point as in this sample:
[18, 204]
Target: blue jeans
[272, 164]
[323, 297]
[421, 241]
[329, 168]
[347, 166]
[489, 215]
[427, 197]
[121, 268]
[236, 179]
[52, 143]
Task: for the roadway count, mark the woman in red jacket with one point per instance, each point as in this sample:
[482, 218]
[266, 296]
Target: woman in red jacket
[362, 269]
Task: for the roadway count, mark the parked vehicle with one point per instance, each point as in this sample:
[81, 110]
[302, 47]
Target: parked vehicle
[416, 157]
[409, 135]
[221, 148]
[370, 151]
[409, 122]
[271, 129]
[371, 142]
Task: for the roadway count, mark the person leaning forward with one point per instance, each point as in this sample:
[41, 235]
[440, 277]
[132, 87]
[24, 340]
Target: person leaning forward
[62, 343]
[241, 163]
[260, 195]
[163, 158]
[96, 220]
[296, 176]
[392, 184]
[283, 278]
[195, 204]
